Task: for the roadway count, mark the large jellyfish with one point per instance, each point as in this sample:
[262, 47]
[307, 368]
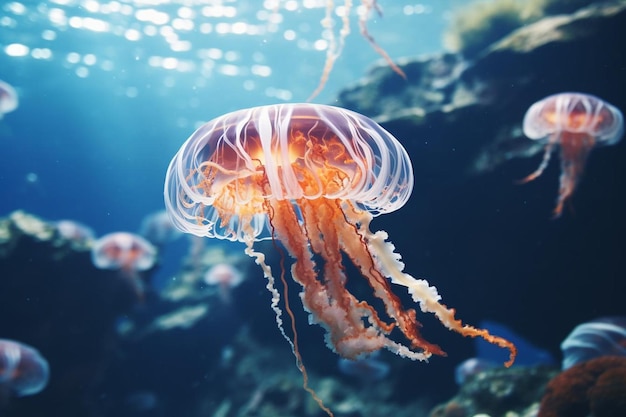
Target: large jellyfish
[23, 371]
[8, 98]
[576, 123]
[312, 177]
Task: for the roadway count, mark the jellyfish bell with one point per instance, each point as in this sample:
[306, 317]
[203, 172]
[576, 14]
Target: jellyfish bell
[575, 123]
[8, 98]
[23, 371]
[225, 277]
[75, 232]
[222, 178]
[605, 336]
[126, 252]
[311, 177]
[158, 229]
[571, 114]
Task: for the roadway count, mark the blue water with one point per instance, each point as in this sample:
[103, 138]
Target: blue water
[101, 114]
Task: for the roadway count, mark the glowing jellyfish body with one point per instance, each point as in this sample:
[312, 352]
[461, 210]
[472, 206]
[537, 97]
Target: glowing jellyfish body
[23, 371]
[127, 253]
[311, 177]
[8, 98]
[574, 122]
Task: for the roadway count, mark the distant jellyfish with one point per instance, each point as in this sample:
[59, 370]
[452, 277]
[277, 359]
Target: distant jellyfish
[158, 229]
[75, 232]
[126, 252]
[470, 367]
[226, 277]
[601, 337]
[8, 98]
[23, 371]
[576, 123]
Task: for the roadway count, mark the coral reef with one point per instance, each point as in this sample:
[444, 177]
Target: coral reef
[596, 387]
[498, 392]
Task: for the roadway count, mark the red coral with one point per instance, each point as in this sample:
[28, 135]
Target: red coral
[596, 387]
[608, 396]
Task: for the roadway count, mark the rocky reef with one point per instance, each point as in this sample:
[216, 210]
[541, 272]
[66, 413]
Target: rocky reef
[499, 392]
[53, 298]
[477, 105]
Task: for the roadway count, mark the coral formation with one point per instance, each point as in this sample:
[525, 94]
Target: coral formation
[596, 387]
[479, 24]
[498, 392]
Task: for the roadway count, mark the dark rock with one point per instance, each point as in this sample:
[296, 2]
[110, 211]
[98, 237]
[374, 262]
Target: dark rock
[53, 298]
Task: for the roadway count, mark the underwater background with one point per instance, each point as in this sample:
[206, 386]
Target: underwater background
[108, 92]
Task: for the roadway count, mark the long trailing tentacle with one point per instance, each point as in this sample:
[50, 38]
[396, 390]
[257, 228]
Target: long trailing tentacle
[542, 166]
[368, 6]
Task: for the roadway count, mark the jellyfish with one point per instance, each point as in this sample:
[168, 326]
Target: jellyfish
[127, 253]
[75, 232]
[471, 367]
[226, 277]
[605, 336]
[157, 229]
[23, 371]
[576, 123]
[310, 178]
[8, 98]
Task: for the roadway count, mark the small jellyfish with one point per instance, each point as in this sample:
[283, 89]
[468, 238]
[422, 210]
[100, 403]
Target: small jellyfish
[576, 123]
[127, 253]
[226, 277]
[470, 367]
[158, 229]
[75, 232]
[601, 337]
[8, 98]
[23, 371]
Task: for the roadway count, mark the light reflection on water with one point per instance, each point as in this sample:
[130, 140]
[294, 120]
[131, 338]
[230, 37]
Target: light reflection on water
[265, 46]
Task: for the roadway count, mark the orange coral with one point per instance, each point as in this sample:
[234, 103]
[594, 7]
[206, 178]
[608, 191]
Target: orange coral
[596, 387]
